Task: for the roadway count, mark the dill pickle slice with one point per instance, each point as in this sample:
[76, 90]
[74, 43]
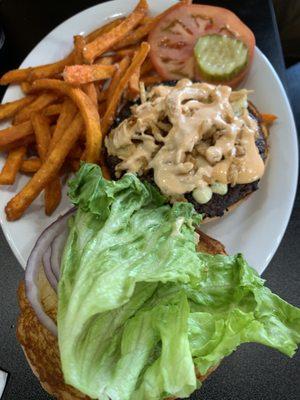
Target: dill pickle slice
[220, 58]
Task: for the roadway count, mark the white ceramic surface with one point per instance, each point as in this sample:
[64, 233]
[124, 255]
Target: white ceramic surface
[256, 227]
[3, 380]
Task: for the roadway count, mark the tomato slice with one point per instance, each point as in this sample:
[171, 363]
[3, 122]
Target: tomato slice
[173, 39]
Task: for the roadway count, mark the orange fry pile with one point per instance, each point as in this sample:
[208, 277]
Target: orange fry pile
[69, 105]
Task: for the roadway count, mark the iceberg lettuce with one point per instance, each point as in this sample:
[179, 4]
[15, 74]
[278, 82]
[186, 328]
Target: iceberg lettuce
[139, 310]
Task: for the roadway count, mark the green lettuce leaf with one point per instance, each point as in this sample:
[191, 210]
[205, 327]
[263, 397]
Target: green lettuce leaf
[230, 306]
[139, 308]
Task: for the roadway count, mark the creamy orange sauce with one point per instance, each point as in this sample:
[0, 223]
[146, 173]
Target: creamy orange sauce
[191, 135]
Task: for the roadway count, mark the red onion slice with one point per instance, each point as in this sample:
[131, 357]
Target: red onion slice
[33, 264]
[57, 247]
[48, 268]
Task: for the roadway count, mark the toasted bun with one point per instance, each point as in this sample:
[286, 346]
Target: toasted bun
[41, 347]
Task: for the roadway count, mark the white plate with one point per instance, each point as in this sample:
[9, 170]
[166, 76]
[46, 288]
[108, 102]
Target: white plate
[256, 227]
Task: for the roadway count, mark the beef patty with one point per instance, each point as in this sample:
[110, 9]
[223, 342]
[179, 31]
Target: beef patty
[218, 204]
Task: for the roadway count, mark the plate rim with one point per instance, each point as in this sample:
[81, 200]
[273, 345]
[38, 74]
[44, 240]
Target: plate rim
[295, 135]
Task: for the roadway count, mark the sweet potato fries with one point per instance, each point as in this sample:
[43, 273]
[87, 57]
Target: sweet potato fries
[69, 105]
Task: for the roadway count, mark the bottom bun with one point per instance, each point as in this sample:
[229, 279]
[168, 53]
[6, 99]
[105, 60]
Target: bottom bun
[41, 350]
[41, 347]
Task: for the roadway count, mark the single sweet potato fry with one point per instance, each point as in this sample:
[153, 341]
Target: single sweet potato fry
[79, 43]
[18, 143]
[27, 140]
[136, 35]
[50, 168]
[52, 195]
[103, 29]
[39, 72]
[90, 90]
[50, 70]
[127, 51]
[122, 66]
[91, 118]
[151, 79]
[8, 110]
[269, 119]
[134, 85]
[31, 165]
[26, 87]
[43, 137]
[112, 104]
[68, 112]
[38, 104]
[86, 107]
[52, 110]
[145, 20]
[108, 39]
[15, 132]
[42, 133]
[106, 60]
[12, 166]
[81, 74]
[15, 76]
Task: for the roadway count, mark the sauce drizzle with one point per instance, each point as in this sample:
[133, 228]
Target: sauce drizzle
[191, 135]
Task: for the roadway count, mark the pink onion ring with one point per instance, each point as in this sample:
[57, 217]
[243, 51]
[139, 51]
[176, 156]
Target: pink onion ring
[57, 247]
[33, 264]
[48, 268]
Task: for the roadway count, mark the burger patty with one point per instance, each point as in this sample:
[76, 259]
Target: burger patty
[218, 204]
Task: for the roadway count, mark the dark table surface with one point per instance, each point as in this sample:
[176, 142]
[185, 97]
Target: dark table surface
[253, 372]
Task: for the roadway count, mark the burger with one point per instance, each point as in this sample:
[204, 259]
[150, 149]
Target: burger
[196, 142]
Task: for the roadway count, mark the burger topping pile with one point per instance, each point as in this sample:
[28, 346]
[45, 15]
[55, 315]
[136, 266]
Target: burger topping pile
[196, 137]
